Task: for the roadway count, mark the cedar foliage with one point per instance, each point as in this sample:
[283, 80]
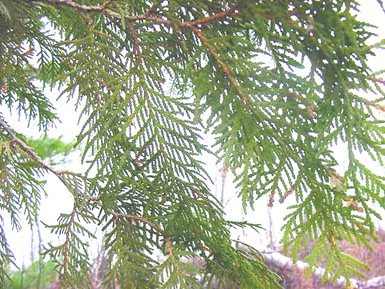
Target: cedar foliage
[143, 73]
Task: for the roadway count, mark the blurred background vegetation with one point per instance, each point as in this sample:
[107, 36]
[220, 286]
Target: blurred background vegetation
[53, 150]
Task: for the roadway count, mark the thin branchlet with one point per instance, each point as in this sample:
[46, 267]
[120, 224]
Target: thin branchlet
[274, 128]
[16, 142]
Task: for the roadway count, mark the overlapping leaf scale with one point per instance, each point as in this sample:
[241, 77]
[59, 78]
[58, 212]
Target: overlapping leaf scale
[324, 218]
[129, 254]
[145, 155]
[6, 255]
[21, 183]
[22, 42]
[71, 255]
[309, 116]
[252, 139]
[21, 188]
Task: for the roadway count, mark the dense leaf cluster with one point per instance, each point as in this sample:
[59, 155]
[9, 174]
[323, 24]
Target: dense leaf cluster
[279, 83]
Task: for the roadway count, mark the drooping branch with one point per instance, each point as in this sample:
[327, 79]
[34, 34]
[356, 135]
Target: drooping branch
[66, 245]
[222, 64]
[167, 239]
[170, 250]
[147, 16]
[16, 142]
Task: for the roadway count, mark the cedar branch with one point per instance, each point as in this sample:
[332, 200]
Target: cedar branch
[218, 16]
[105, 5]
[152, 9]
[15, 141]
[223, 65]
[170, 250]
[103, 9]
[146, 16]
[68, 233]
[137, 49]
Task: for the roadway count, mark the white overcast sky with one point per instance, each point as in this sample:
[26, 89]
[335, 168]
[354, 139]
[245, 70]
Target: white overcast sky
[59, 200]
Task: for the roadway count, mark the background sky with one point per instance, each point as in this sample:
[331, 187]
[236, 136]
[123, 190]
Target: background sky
[59, 200]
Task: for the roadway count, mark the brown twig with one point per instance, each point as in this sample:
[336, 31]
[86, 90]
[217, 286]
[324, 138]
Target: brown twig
[170, 250]
[68, 232]
[103, 9]
[288, 20]
[137, 49]
[223, 65]
[192, 24]
[271, 198]
[380, 80]
[211, 18]
[376, 105]
[16, 142]
[118, 216]
[286, 194]
[105, 5]
[204, 248]
[152, 9]
[197, 195]
[147, 16]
